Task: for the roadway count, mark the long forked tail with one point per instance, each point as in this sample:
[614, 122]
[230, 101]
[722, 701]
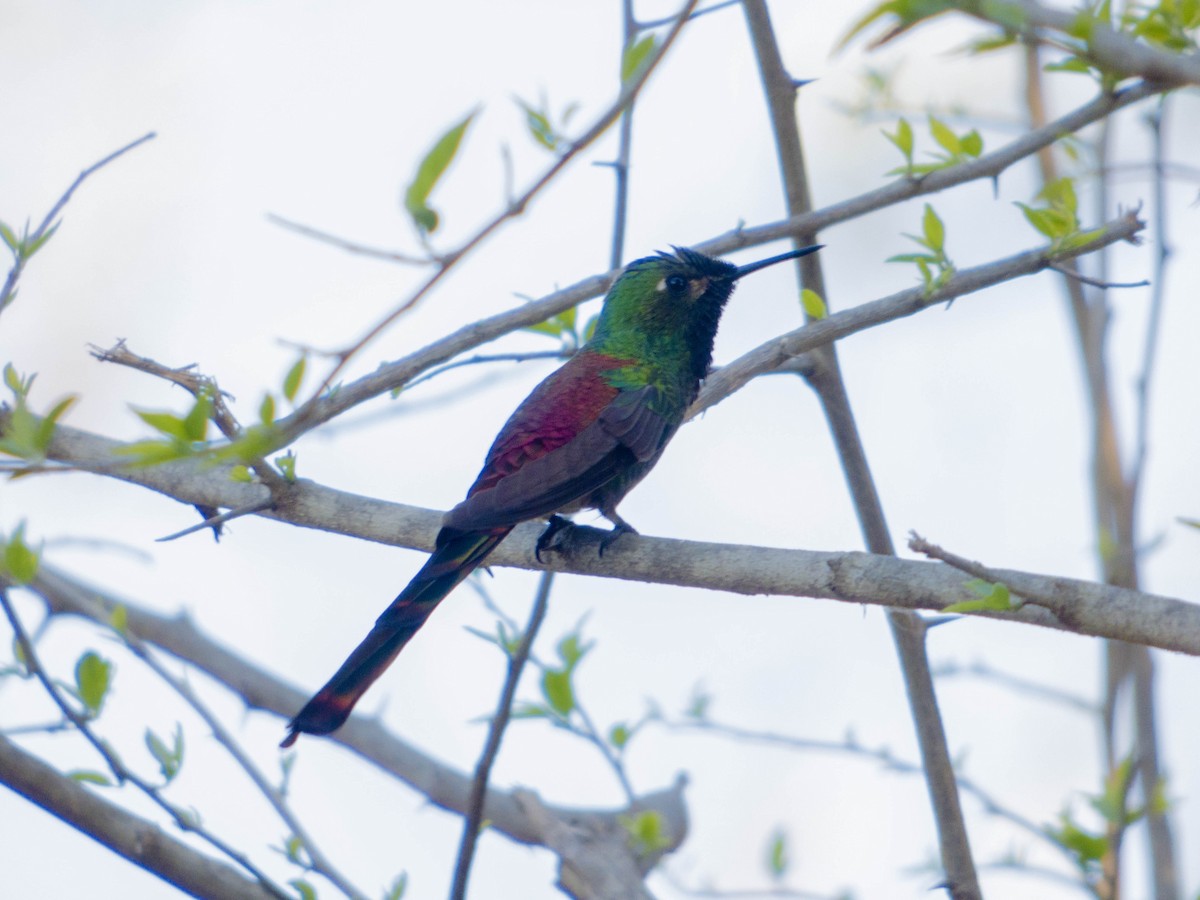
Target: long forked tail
[457, 554]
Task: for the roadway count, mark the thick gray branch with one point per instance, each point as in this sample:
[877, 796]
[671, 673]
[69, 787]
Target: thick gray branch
[139, 841]
[1067, 604]
[1111, 50]
[443, 785]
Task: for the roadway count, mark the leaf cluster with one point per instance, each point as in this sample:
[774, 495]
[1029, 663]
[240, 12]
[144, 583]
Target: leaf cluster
[955, 148]
[28, 435]
[933, 239]
[1058, 218]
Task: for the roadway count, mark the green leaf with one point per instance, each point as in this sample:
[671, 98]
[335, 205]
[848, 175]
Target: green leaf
[164, 423]
[570, 651]
[170, 759]
[647, 831]
[241, 473]
[1060, 194]
[813, 304]
[151, 453]
[92, 680]
[291, 381]
[1050, 222]
[14, 381]
[1070, 64]
[119, 619]
[20, 561]
[45, 432]
[37, 244]
[777, 855]
[972, 143]
[991, 597]
[304, 889]
[987, 45]
[10, 239]
[429, 172]
[946, 138]
[195, 423]
[530, 711]
[934, 230]
[1087, 848]
[398, 888]
[293, 849]
[539, 125]
[266, 410]
[87, 776]
[903, 138]
[698, 704]
[556, 688]
[286, 463]
[635, 55]
[619, 735]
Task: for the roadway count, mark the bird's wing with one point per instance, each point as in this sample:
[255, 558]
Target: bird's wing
[569, 438]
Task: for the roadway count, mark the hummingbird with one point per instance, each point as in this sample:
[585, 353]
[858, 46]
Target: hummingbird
[582, 439]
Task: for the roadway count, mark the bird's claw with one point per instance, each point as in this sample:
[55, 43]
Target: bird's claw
[562, 533]
[617, 530]
[554, 537]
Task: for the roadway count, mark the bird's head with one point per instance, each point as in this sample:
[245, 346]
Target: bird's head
[678, 295]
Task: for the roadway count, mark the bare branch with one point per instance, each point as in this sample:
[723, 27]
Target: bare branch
[1111, 50]
[217, 521]
[8, 291]
[396, 374]
[473, 820]
[347, 245]
[443, 785]
[141, 842]
[775, 352]
[1096, 282]
[628, 94]
[114, 763]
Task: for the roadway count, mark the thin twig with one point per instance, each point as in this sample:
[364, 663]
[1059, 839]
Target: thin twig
[216, 521]
[196, 384]
[396, 374]
[118, 769]
[1096, 282]
[319, 862]
[10, 282]
[348, 245]
[881, 755]
[481, 358]
[475, 806]
[981, 669]
[1162, 253]
[629, 92]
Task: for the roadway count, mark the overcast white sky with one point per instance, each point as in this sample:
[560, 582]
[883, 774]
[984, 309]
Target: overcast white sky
[973, 420]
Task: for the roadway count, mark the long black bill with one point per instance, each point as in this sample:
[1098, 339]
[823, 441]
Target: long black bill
[782, 257]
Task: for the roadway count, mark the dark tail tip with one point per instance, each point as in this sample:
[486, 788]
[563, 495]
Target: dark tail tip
[322, 714]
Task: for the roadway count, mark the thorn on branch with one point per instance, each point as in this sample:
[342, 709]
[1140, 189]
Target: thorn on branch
[1095, 282]
[215, 521]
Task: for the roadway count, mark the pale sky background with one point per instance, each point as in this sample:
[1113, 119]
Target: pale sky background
[973, 422]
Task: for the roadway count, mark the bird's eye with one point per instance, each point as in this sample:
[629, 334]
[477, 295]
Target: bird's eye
[676, 284]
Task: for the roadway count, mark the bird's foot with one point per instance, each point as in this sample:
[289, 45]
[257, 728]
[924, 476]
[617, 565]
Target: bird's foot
[555, 537]
[622, 527]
